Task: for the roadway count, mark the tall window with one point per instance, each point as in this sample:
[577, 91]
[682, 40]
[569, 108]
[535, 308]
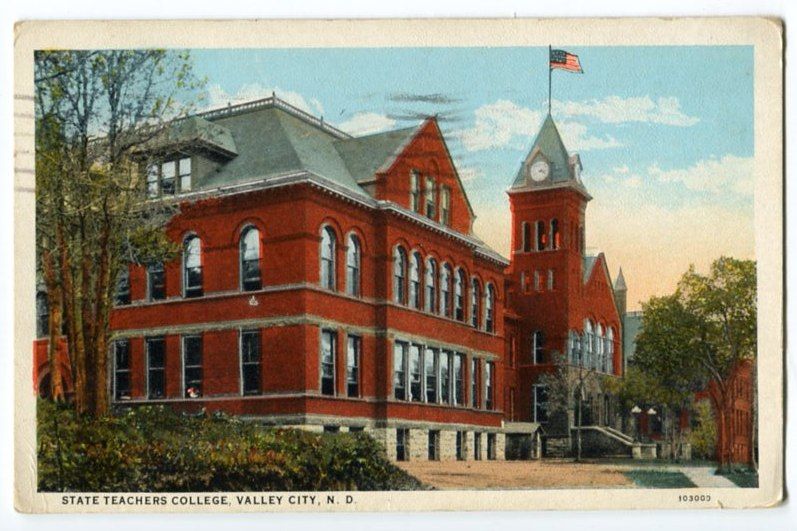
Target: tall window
[250, 362]
[460, 445]
[489, 304]
[353, 350]
[402, 444]
[328, 340]
[431, 359]
[599, 361]
[445, 290]
[156, 282]
[526, 239]
[121, 369]
[185, 175]
[445, 205]
[168, 176]
[328, 243]
[610, 351]
[399, 370]
[430, 198]
[250, 259]
[353, 259]
[475, 296]
[156, 367]
[491, 442]
[474, 382]
[415, 190]
[399, 275]
[489, 375]
[192, 267]
[537, 281]
[42, 315]
[445, 377]
[416, 394]
[122, 295]
[540, 403]
[573, 347]
[430, 284]
[459, 376]
[550, 280]
[542, 237]
[477, 446]
[192, 366]
[459, 295]
[556, 236]
[538, 347]
[588, 343]
[415, 281]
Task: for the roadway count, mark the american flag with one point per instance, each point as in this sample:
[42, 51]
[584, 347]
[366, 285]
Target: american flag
[565, 61]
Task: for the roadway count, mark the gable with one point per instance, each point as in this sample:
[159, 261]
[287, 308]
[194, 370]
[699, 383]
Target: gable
[427, 153]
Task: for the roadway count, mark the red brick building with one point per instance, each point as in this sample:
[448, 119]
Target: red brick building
[335, 283]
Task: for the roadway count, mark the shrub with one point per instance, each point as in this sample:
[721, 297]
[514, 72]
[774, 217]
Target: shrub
[153, 449]
[703, 437]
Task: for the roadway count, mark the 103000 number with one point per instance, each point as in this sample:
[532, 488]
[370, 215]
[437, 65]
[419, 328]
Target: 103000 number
[694, 498]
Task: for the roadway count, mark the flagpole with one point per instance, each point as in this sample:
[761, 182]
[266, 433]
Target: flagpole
[549, 79]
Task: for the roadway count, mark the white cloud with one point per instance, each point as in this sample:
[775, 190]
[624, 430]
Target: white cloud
[507, 124]
[715, 175]
[366, 123]
[576, 138]
[218, 97]
[615, 109]
[498, 124]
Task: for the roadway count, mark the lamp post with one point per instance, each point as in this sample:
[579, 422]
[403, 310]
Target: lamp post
[636, 410]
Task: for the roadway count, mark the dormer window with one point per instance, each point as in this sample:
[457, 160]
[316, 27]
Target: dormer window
[162, 178]
[415, 190]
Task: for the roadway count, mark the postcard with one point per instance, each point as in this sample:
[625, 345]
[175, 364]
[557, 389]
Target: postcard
[384, 265]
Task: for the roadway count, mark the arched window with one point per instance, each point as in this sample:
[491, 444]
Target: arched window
[430, 285]
[353, 259]
[574, 348]
[599, 360]
[415, 281]
[556, 237]
[459, 295]
[489, 305]
[588, 343]
[525, 236]
[445, 290]
[610, 350]
[250, 259]
[399, 275]
[475, 296]
[328, 244]
[192, 266]
[542, 237]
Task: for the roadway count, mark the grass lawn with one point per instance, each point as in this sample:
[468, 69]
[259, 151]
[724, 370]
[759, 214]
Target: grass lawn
[745, 479]
[659, 479]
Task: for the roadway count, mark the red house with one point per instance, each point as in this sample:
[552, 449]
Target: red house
[334, 283]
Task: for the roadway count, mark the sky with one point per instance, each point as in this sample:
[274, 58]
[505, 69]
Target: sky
[665, 134]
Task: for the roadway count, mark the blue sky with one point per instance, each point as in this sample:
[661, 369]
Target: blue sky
[665, 133]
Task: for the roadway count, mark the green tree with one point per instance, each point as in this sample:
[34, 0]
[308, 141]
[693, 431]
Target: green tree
[95, 112]
[698, 337]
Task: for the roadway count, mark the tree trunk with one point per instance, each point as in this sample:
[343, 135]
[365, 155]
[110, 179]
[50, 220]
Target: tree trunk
[102, 304]
[55, 303]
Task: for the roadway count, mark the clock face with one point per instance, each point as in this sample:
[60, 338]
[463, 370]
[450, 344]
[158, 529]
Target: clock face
[539, 170]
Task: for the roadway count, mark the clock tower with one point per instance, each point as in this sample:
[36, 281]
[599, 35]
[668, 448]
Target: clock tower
[546, 289]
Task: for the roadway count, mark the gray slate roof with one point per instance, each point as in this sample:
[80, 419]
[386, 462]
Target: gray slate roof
[589, 264]
[269, 138]
[550, 145]
[367, 155]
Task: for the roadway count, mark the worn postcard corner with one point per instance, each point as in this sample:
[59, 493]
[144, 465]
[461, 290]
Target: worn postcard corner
[332, 266]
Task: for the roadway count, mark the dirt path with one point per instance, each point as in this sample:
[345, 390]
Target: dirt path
[516, 474]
